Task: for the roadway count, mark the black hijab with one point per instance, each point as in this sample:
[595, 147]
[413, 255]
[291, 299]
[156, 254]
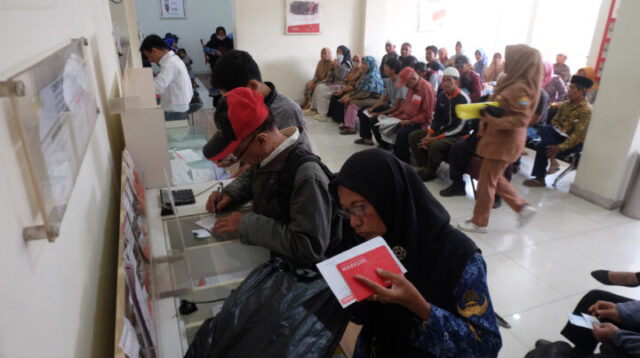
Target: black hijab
[347, 56]
[418, 231]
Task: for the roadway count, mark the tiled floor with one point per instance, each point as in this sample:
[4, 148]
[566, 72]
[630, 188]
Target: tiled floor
[536, 274]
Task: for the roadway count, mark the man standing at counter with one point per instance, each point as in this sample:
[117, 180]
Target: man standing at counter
[292, 208]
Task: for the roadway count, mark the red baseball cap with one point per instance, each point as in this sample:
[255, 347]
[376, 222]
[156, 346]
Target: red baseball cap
[405, 76]
[238, 114]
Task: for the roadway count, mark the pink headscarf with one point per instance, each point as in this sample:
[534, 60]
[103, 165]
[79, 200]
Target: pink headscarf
[548, 73]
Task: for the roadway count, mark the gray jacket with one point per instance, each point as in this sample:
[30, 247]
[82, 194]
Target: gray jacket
[309, 232]
[629, 340]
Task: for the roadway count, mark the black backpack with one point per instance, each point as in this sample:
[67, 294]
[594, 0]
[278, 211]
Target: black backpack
[339, 226]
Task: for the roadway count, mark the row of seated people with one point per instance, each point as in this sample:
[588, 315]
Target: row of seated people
[427, 110]
[409, 317]
[301, 223]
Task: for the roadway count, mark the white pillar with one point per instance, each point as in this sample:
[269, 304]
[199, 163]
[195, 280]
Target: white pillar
[613, 139]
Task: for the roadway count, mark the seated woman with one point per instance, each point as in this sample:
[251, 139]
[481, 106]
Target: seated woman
[323, 91]
[351, 82]
[482, 62]
[442, 307]
[553, 85]
[590, 73]
[323, 69]
[495, 67]
[370, 89]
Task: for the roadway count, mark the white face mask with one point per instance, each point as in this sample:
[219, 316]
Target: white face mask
[220, 37]
[356, 64]
[340, 58]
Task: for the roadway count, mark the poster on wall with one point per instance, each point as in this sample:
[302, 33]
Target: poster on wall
[172, 9]
[433, 15]
[303, 17]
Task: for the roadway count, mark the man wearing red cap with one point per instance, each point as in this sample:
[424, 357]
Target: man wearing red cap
[416, 111]
[292, 214]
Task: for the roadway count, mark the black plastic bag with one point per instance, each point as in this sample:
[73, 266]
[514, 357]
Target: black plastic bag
[275, 312]
[558, 349]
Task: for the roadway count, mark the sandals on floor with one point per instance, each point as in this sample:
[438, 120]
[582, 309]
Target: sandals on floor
[347, 131]
[553, 170]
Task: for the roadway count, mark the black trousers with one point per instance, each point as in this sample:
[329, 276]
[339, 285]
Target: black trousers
[583, 338]
[367, 125]
[336, 109]
[460, 155]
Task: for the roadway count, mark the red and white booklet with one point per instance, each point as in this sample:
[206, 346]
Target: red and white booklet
[364, 259]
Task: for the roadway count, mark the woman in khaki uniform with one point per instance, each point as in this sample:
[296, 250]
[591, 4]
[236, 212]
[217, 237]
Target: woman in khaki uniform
[502, 139]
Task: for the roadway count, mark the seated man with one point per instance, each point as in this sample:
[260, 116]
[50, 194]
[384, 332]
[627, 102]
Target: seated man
[292, 215]
[566, 132]
[390, 52]
[431, 147]
[619, 331]
[474, 83]
[416, 111]
[173, 83]
[431, 54]
[406, 58]
[238, 69]
[393, 96]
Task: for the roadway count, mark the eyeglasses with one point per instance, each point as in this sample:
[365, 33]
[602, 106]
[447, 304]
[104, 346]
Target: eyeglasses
[357, 211]
[232, 158]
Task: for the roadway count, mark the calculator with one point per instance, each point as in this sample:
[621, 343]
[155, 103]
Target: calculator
[180, 197]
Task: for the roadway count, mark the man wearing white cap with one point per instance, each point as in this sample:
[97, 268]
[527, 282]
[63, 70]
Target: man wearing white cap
[430, 147]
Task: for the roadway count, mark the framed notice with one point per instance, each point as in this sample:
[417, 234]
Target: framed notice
[302, 17]
[432, 15]
[172, 9]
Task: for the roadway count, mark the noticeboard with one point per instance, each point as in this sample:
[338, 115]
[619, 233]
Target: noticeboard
[55, 108]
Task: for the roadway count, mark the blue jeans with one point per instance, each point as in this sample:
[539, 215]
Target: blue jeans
[401, 148]
[549, 136]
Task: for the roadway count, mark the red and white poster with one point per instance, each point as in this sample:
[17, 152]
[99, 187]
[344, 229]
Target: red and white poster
[303, 17]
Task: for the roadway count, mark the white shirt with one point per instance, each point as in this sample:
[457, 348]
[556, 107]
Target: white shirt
[284, 145]
[173, 84]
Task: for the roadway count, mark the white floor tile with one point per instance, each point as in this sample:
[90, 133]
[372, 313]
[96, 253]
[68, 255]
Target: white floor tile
[541, 322]
[513, 289]
[558, 265]
[511, 346]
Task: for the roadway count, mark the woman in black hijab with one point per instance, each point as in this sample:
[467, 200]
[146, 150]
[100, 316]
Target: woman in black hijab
[442, 307]
[218, 44]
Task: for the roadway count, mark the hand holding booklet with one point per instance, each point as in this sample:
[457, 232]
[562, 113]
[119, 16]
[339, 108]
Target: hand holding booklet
[340, 270]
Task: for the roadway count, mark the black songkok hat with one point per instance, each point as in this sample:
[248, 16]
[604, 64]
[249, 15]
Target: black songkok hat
[581, 81]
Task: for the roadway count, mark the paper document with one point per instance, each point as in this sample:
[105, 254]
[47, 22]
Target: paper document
[583, 320]
[384, 121]
[187, 155]
[335, 280]
[207, 222]
[129, 340]
[201, 234]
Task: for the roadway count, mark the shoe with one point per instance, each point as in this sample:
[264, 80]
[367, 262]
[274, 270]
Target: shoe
[497, 202]
[526, 214]
[426, 176]
[362, 141]
[501, 321]
[309, 112]
[454, 190]
[534, 183]
[342, 126]
[347, 131]
[320, 117]
[468, 226]
[602, 276]
[553, 170]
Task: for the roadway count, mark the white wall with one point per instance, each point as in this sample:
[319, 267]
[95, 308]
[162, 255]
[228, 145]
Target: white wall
[613, 140]
[202, 18]
[57, 298]
[289, 60]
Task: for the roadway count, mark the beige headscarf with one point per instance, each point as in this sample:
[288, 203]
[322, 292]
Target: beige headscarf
[324, 67]
[523, 66]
